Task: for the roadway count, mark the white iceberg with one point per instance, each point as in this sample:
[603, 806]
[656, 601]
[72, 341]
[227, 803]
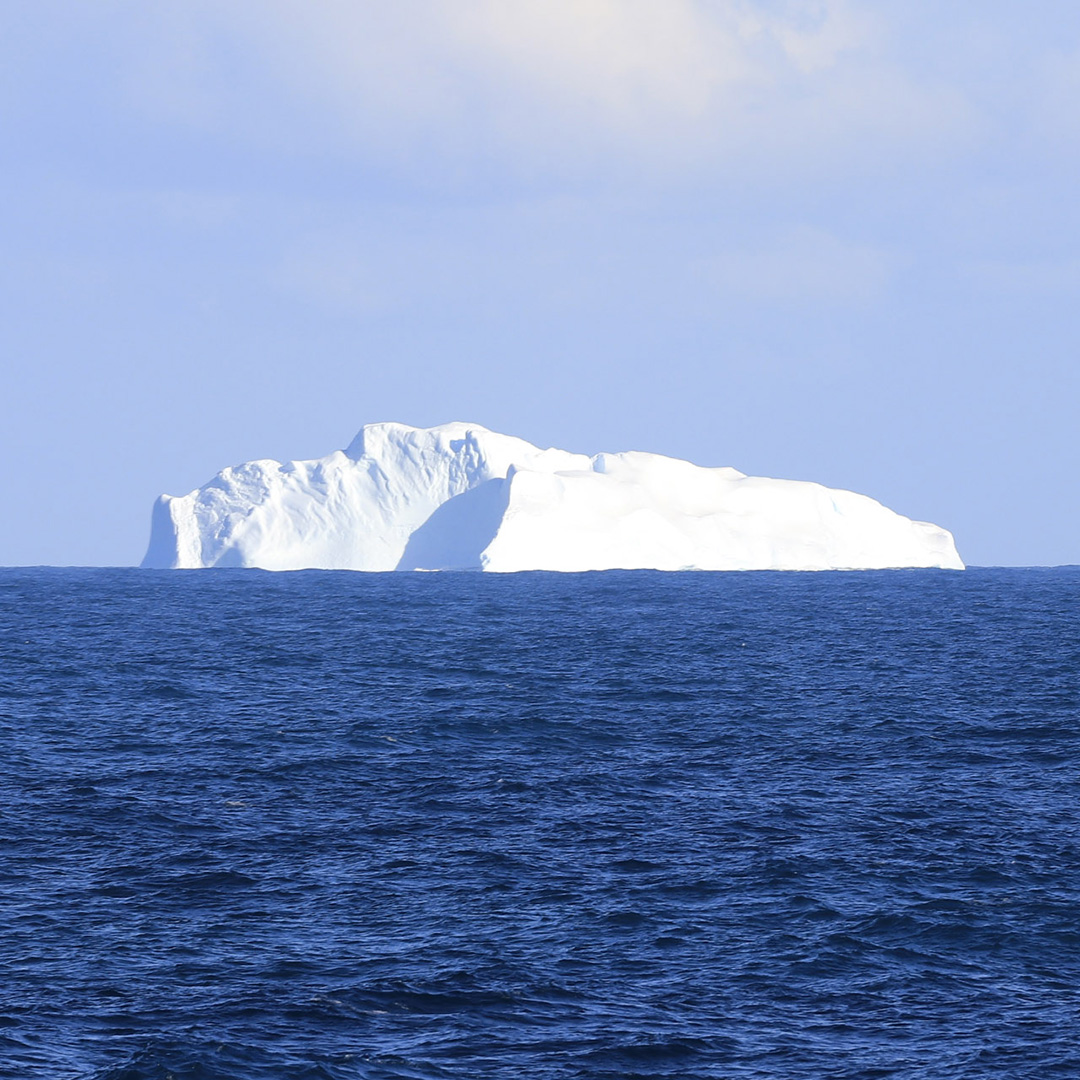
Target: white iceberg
[460, 497]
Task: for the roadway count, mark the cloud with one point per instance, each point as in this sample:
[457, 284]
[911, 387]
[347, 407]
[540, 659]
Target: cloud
[1051, 278]
[563, 87]
[329, 275]
[805, 266]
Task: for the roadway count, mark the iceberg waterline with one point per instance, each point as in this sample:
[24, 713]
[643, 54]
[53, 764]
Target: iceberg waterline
[460, 497]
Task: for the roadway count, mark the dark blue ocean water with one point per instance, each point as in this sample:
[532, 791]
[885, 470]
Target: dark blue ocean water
[538, 826]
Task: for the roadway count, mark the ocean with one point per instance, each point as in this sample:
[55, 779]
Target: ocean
[615, 825]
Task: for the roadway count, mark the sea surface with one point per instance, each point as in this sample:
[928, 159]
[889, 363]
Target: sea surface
[618, 825]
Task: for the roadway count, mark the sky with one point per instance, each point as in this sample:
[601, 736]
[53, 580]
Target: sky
[830, 240]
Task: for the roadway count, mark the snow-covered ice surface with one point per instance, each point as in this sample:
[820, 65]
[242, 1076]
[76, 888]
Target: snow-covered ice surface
[461, 497]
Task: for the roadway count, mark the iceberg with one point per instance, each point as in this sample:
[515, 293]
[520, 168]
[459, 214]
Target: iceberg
[460, 497]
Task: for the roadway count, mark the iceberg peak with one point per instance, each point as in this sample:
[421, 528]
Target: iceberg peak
[459, 496]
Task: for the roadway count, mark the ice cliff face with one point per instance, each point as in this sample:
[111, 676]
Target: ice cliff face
[461, 497]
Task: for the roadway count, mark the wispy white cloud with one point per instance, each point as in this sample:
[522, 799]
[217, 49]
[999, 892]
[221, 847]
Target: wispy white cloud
[558, 86]
[333, 277]
[804, 266]
[1051, 278]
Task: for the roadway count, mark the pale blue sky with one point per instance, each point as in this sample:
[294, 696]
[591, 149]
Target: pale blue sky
[836, 241]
